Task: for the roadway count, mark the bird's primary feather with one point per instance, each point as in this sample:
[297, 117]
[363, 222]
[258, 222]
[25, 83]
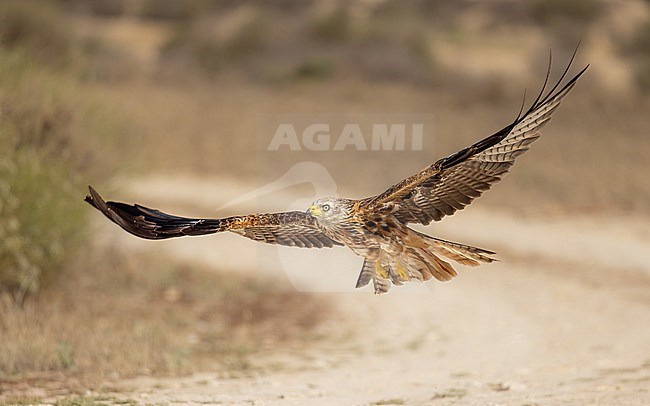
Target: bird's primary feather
[454, 182]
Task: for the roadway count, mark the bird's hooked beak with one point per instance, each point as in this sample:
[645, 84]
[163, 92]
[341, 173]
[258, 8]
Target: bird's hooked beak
[315, 211]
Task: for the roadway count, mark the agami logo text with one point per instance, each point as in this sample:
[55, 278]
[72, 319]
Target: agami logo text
[351, 136]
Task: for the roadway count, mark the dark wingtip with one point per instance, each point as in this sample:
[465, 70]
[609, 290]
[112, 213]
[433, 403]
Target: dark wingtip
[89, 198]
[93, 199]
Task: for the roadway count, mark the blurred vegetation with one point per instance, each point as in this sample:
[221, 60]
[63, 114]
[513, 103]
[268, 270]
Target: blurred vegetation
[387, 41]
[384, 41]
[575, 11]
[44, 148]
[335, 26]
[100, 8]
[198, 44]
[37, 28]
[314, 68]
[566, 20]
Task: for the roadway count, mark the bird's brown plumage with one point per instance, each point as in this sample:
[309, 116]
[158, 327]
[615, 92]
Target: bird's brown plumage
[376, 227]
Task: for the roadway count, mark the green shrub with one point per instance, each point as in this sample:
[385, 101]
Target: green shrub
[38, 221]
[45, 151]
[49, 133]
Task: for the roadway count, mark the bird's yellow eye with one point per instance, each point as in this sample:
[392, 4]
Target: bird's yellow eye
[326, 207]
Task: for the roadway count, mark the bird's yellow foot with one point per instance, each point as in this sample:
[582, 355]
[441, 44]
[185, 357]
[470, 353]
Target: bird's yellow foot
[403, 273]
[381, 271]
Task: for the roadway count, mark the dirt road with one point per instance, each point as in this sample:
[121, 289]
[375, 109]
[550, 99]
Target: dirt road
[563, 318]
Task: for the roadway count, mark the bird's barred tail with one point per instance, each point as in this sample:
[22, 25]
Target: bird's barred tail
[461, 253]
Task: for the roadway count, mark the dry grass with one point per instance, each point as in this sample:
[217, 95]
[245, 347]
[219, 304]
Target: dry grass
[111, 316]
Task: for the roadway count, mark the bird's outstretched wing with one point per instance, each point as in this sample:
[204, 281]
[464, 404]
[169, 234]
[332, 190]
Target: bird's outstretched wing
[453, 182]
[293, 228]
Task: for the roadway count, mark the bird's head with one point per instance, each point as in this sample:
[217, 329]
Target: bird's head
[329, 210]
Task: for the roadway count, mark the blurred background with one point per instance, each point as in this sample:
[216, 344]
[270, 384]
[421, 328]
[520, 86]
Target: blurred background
[157, 100]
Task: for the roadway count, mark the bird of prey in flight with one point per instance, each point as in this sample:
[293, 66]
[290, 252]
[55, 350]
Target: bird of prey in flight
[376, 228]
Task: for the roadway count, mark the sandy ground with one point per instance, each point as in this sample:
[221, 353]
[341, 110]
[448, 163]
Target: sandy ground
[563, 318]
